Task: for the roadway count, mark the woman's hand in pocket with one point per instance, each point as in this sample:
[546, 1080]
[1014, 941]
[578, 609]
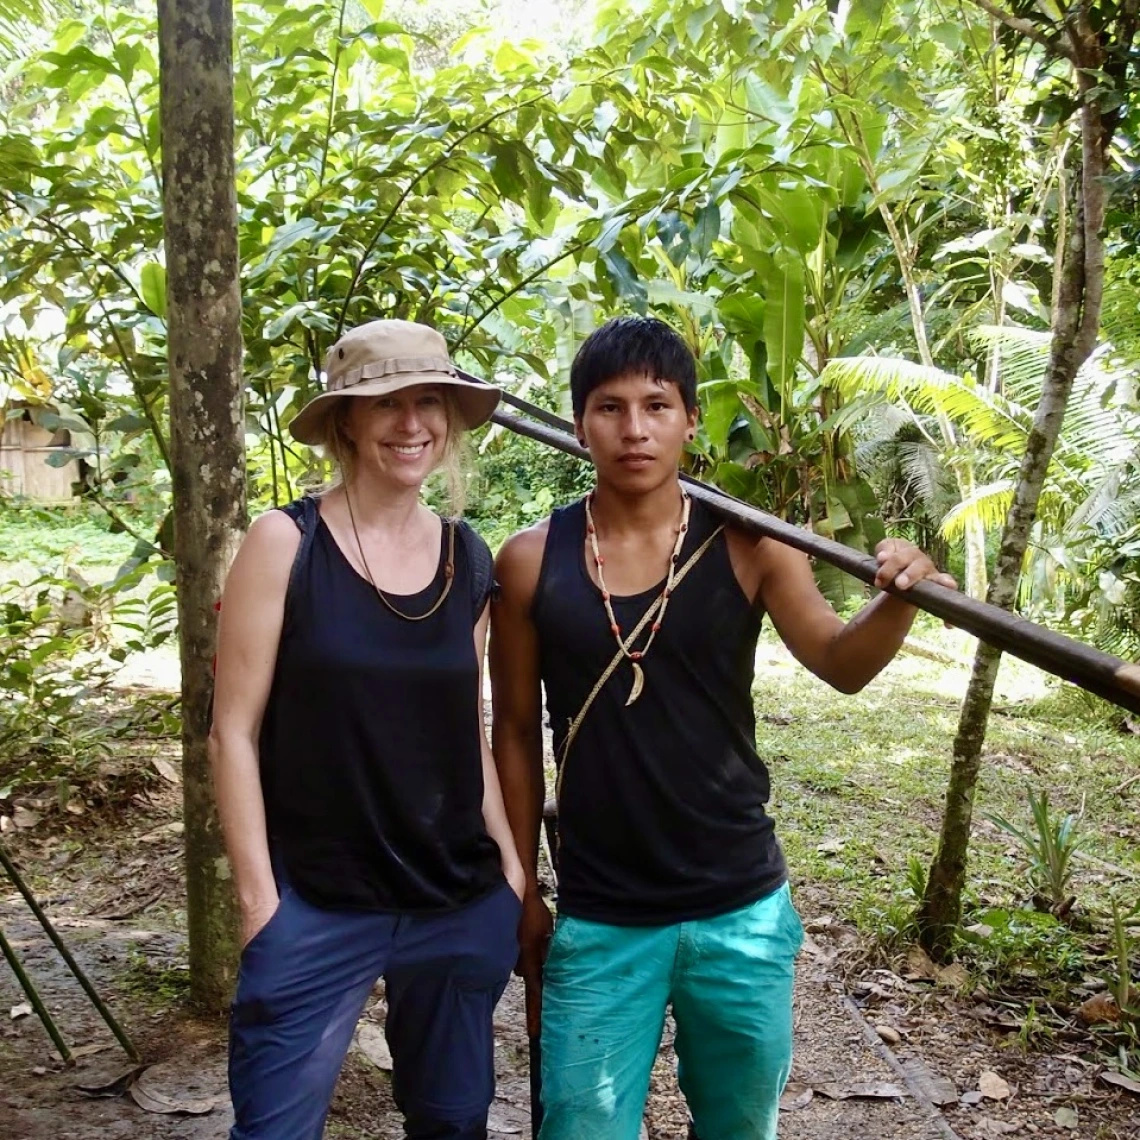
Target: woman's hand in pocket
[516, 877]
[255, 917]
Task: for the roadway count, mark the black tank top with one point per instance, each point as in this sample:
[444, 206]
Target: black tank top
[661, 809]
[370, 744]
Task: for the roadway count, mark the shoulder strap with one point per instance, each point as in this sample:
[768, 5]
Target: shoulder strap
[480, 563]
[619, 657]
[305, 514]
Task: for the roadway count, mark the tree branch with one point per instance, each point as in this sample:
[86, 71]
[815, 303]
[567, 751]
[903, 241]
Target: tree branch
[573, 248]
[432, 166]
[1026, 28]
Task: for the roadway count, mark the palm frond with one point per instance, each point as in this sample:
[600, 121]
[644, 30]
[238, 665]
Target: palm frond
[922, 467]
[985, 417]
[989, 505]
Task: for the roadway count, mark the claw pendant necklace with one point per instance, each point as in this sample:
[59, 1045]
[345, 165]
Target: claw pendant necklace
[637, 655]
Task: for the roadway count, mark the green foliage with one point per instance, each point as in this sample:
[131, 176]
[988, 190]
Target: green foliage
[46, 672]
[60, 643]
[1049, 845]
[1121, 985]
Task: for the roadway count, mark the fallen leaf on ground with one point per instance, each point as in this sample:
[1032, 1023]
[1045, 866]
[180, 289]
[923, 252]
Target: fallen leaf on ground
[166, 770]
[1120, 1081]
[1098, 1010]
[90, 1050]
[21, 1010]
[992, 1087]
[371, 1042]
[1067, 1117]
[955, 975]
[919, 966]
[25, 820]
[888, 1034]
[971, 1098]
[112, 1086]
[938, 1090]
[796, 1096]
[860, 1090]
[827, 847]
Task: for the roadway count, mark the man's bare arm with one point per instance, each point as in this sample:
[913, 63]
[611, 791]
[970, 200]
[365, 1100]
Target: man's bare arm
[845, 655]
[517, 694]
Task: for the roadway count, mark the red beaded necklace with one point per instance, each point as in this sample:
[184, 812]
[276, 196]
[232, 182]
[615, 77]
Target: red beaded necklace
[635, 656]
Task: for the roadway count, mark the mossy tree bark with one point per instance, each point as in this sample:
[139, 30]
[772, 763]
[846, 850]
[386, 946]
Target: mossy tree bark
[206, 428]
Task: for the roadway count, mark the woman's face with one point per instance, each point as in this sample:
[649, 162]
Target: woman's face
[399, 438]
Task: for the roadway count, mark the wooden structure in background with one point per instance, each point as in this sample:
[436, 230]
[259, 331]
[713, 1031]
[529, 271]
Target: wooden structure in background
[24, 470]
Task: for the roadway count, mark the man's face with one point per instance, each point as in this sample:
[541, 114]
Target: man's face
[636, 428]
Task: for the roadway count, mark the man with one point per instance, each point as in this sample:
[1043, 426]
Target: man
[640, 615]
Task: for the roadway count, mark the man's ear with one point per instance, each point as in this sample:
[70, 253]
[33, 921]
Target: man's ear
[694, 419]
[579, 431]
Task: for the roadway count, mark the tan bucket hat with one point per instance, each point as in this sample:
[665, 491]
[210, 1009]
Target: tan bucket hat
[380, 357]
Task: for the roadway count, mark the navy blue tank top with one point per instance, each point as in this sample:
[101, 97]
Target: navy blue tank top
[662, 804]
[370, 745]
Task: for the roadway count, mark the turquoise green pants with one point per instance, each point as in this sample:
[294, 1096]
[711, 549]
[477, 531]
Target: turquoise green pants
[606, 991]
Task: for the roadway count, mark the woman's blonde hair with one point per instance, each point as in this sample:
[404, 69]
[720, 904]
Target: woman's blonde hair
[453, 463]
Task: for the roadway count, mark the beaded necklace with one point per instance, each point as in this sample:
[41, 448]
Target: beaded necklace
[637, 655]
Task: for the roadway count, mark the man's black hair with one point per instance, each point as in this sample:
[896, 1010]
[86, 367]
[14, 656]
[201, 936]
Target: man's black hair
[639, 346]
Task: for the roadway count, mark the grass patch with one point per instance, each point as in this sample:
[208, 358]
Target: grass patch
[858, 785]
[158, 986]
[38, 540]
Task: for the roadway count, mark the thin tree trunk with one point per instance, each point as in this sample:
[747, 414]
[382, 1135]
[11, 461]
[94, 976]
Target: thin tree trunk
[1075, 322]
[207, 436]
[962, 467]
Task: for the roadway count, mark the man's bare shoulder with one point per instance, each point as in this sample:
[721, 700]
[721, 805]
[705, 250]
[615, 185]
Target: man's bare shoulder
[758, 560]
[525, 545]
[520, 559]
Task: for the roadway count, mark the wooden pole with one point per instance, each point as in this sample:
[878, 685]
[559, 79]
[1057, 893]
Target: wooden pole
[1100, 673]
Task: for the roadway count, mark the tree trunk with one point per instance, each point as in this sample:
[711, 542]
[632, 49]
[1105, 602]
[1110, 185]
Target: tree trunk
[1075, 323]
[207, 428]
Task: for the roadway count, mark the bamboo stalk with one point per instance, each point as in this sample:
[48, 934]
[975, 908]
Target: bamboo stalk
[34, 997]
[107, 1016]
[1100, 673]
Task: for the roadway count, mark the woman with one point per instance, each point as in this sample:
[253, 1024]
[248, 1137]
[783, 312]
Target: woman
[361, 808]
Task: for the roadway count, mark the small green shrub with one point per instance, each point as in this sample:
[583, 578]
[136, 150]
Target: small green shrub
[1049, 845]
[54, 670]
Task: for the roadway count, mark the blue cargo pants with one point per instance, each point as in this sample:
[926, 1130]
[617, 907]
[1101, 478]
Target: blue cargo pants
[303, 983]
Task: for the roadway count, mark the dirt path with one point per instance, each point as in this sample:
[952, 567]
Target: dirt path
[139, 965]
[40, 1100]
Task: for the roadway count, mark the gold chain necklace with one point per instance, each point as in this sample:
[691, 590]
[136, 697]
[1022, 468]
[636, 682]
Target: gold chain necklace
[637, 655]
[448, 570]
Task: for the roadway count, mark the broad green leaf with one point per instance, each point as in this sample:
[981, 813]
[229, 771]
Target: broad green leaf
[706, 229]
[152, 285]
[784, 320]
[127, 423]
[720, 407]
[625, 280]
